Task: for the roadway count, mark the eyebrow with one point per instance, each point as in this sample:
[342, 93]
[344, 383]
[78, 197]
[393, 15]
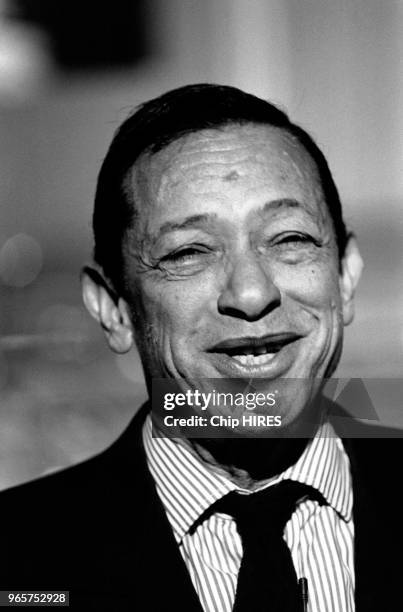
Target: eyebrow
[207, 218]
[284, 203]
[281, 203]
[192, 221]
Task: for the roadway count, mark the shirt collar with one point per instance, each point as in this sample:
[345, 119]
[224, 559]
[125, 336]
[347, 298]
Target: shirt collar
[187, 487]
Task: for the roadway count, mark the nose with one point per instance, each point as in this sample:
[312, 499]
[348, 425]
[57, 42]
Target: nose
[250, 292]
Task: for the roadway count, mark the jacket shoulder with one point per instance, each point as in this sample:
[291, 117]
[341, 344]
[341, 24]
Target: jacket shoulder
[64, 528]
[103, 470]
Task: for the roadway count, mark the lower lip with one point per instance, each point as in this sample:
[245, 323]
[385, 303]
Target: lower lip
[278, 364]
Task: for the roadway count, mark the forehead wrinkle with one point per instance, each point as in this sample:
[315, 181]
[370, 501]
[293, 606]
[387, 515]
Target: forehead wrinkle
[199, 156]
[212, 163]
[215, 167]
[190, 174]
[244, 145]
[220, 147]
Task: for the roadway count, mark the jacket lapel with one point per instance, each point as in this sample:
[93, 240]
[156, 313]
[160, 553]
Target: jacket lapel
[374, 587]
[164, 580]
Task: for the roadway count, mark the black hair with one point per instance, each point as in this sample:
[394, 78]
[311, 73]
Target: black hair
[157, 123]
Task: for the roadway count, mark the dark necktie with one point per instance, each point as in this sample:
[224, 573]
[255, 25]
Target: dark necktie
[267, 580]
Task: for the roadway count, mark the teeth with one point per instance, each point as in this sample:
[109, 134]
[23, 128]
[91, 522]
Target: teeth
[254, 360]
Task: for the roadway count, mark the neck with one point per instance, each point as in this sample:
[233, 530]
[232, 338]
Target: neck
[249, 463]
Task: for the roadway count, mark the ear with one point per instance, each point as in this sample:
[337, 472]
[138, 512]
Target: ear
[352, 266]
[105, 306]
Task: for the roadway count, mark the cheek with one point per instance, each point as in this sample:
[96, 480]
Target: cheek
[174, 307]
[316, 286]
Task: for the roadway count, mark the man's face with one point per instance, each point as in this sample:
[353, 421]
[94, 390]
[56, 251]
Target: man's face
[232, 266]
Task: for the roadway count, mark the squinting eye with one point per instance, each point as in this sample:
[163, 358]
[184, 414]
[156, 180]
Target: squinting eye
[182, 255]
[290, 239]
[294, 238]
[191, 257]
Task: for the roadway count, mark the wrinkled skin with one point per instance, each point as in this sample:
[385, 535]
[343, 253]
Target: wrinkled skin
[232, 242]
[233, 239]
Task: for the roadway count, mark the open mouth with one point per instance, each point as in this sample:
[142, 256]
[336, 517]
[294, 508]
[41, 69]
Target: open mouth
[253, 351]
[250, 356]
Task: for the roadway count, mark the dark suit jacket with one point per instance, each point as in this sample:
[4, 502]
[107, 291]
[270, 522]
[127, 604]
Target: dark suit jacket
[99, 530]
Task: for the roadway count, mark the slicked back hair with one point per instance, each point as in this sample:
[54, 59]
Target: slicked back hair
[157, 123]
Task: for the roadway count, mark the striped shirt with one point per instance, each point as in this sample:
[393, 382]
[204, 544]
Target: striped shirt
[320, 537]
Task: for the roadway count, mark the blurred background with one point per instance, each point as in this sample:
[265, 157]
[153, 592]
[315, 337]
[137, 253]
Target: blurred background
[69, 73]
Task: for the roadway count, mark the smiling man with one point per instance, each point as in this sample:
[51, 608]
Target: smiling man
[232, 265]
[221, 252]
